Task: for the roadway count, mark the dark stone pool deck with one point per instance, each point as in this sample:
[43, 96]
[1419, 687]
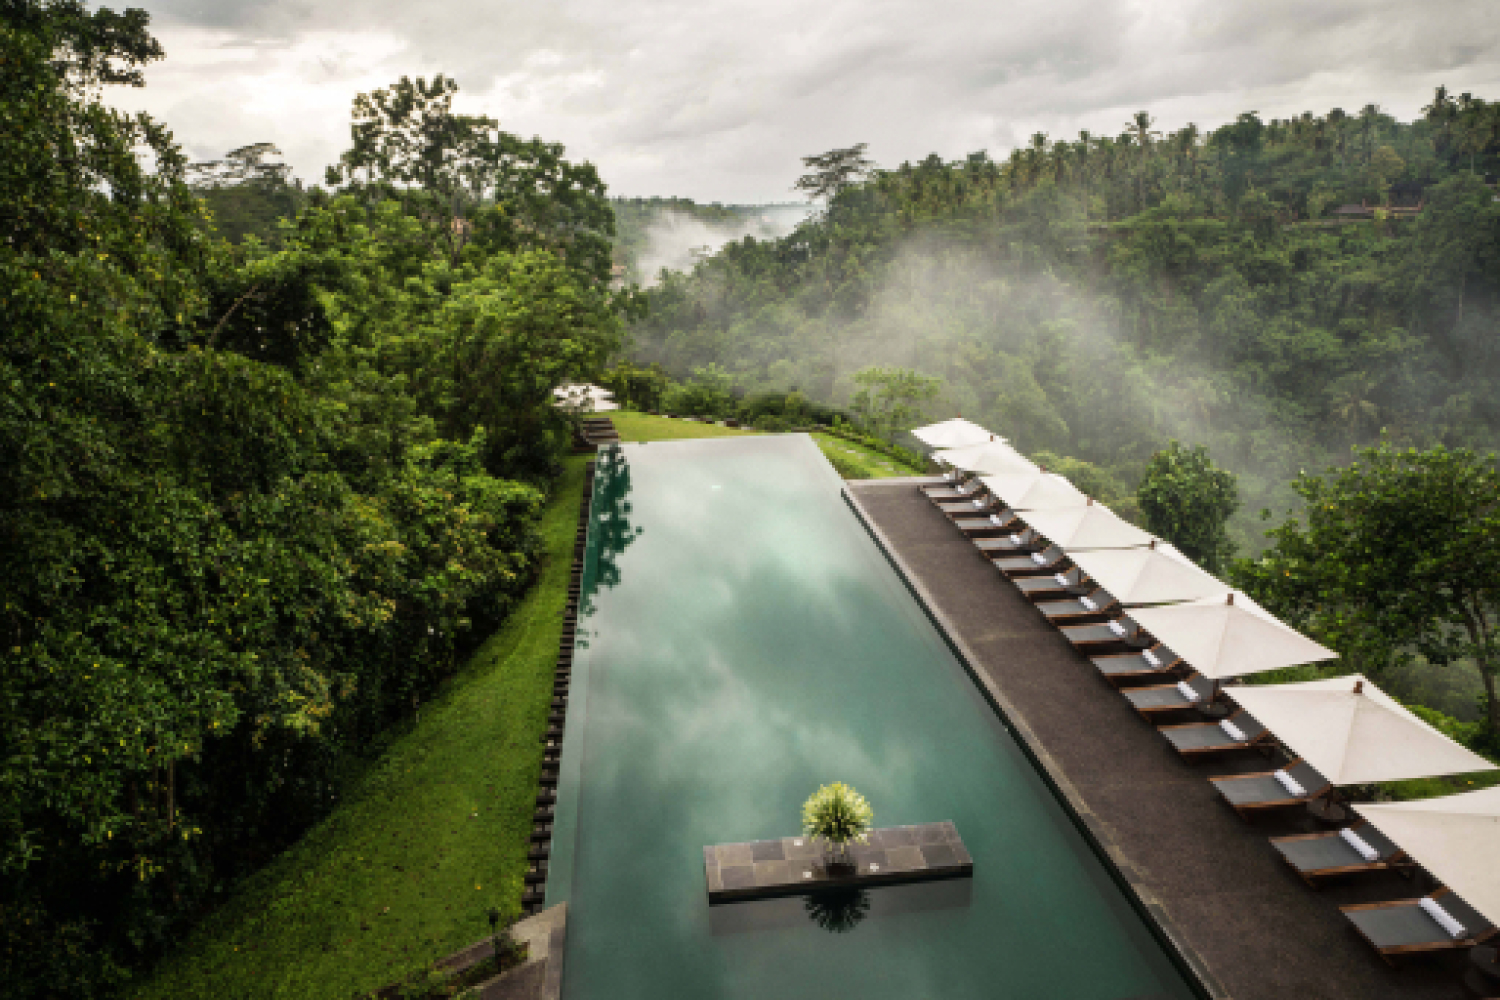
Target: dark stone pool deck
[1249, 927]
[793, 866]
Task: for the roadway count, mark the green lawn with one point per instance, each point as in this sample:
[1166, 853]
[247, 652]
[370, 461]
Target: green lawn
[853, 461]
[644, 427]
[405, 870]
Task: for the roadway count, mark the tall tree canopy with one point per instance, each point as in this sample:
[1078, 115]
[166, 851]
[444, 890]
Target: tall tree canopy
[255, 500]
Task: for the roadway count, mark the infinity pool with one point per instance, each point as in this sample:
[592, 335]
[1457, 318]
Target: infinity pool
[743, 641]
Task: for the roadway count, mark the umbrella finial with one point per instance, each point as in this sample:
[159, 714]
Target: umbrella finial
[992, 437]
[1230, 598]
[1152, 545]
[1090, 501]
[1359, 687]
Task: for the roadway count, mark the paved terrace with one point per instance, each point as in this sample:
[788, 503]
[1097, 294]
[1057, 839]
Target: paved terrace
[1238, 911]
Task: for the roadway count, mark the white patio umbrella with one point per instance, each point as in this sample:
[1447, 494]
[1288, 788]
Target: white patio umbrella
[989, 458]
[584, 397]
[955, 433]
[1228, 635]
[1157, 574]
[1354, 733]
[1035, 490]
[1093, 526]
[1455, 837]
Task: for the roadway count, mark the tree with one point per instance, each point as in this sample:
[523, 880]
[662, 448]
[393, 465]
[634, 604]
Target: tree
[833, 171]
[1188, 500]
[1398, 553]
[471, 182]
[890, 399]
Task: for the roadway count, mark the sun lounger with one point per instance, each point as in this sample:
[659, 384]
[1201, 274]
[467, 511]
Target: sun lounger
[1405, 927]
[945, 494]
[977, 524]
[1157, 662]
[979, 506]
[1011, 543]
[1055, 587]
[1294, 785]
[1196, 739]
[1122, 632]
[1320, 855]
[949, 480]
[1050, 560]
[1097, 605]
[1159, 699]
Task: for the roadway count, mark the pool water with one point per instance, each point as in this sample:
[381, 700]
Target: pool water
[743, 641]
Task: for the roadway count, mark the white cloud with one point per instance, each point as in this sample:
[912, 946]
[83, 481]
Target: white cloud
[717, 100]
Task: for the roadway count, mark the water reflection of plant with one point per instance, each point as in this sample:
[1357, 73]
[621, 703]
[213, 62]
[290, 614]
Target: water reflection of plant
[611, 531]
[838, 911]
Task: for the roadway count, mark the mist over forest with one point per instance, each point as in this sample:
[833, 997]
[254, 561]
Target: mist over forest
[1276, 290]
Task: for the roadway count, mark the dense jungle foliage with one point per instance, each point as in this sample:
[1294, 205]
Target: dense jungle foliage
[255, 501]
[1276, 290]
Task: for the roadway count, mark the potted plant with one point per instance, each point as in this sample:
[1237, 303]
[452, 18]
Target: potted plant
[837, 816]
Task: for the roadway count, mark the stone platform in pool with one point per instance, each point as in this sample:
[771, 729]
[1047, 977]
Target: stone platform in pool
[791, 866]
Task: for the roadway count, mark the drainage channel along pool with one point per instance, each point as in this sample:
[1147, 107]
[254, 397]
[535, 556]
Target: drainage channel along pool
[743, 641]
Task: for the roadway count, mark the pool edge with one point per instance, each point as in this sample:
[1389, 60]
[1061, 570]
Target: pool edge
[1121, 869]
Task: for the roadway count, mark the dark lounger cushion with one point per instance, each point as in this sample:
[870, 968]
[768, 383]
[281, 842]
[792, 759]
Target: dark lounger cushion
[1403, 925]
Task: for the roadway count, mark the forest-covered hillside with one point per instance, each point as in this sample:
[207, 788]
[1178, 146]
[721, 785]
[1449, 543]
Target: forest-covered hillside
[1278, 290]
[258, 500]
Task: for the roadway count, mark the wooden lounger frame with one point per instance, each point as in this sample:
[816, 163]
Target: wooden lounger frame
[1257, 742]
[1390, 954]
[1399, 862]
[1247, 810]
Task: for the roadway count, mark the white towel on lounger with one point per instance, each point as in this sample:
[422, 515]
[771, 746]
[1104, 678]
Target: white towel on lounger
[995, 520]
[1015, 539]
[1187, 691]
[1062, 581]
[1357, 842]
[1088, 604]
[1292, 786]
[977, 501]
[1443, 917]
[1150, 658]
[1116, 628]
[1232, 731]
[1037, 558]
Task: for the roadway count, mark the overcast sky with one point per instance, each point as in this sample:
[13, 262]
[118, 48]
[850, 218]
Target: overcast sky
[717, 100]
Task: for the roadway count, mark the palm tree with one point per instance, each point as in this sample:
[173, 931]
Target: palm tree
[1139, 129]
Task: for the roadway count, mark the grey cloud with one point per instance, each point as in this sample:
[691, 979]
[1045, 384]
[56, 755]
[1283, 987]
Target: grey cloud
[717, 101]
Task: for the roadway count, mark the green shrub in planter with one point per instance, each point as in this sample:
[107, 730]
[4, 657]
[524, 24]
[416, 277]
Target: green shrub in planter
[837, 815]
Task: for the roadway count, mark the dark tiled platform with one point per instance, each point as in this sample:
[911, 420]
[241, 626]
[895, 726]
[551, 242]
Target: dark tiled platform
[762, 869]
[1225, 899]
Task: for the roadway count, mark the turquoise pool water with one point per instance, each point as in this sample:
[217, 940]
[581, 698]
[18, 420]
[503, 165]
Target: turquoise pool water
[743, 641]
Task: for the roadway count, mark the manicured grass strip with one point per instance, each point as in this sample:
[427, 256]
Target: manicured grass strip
[855, 461]
[405, 870]
[644, 427]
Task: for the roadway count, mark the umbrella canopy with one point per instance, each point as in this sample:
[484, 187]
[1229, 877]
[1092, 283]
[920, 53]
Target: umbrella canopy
[1093, 526]
[955, 433]
[1035, 490]
[584, 396]
[990, 458]
[1228, 635]
[1456, 838]
[1355, 733]
[1157, 574]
